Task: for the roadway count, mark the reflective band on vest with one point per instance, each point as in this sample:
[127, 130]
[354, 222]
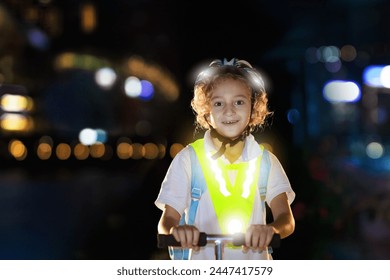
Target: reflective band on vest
[233, 203]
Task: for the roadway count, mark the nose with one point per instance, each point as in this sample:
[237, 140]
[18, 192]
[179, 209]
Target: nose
[229, 110]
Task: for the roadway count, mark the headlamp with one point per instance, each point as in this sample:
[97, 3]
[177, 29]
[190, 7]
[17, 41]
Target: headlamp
[233, 221]
[236, 67]
[234, 226]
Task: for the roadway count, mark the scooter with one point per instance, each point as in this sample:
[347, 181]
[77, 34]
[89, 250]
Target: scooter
[219, 240]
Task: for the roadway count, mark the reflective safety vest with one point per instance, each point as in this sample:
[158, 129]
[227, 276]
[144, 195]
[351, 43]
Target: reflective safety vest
[232, 201]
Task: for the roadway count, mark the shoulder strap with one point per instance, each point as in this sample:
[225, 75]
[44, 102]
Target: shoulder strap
[197, 189]
[264, 173]
[197, 185]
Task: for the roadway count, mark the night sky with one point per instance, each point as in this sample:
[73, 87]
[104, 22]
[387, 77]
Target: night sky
[96, 209]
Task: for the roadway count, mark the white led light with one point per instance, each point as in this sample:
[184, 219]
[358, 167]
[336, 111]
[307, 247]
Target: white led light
[234, 226]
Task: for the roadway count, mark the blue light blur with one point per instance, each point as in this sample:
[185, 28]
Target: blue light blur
[38, 39]
[372, 75]
[147, 91]
[293, 116]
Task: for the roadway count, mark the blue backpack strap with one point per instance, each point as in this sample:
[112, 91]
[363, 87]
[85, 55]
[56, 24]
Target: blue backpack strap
[197, 188]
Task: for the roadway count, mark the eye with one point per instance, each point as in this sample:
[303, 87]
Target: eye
[217, 104]
[240, 102]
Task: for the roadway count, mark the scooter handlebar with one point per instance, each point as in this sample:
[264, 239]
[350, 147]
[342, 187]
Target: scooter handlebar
[238, 239]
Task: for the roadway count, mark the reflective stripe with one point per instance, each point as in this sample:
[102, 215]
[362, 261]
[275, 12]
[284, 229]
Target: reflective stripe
[218, 175]
[250, 175]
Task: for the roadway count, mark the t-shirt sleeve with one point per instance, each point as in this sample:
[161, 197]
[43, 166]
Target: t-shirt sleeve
[278, 181]
[175, 188]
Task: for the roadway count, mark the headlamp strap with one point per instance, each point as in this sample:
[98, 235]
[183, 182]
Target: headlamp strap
[225, 141]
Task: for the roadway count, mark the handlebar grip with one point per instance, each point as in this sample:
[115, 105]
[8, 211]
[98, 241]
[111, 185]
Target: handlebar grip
[165, 240]
[275, 241]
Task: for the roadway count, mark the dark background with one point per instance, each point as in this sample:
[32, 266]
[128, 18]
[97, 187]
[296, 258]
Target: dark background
[104, 209]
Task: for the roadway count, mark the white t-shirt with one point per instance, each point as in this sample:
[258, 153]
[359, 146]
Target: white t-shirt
[176, 192]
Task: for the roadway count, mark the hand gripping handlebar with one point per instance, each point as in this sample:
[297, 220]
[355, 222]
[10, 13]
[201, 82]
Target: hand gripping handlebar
[238, 239]
[219, 240]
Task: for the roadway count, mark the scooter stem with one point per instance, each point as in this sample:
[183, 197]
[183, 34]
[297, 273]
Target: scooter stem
[219, 246]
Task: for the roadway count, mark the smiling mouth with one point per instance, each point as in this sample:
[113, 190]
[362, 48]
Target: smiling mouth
[230, 122]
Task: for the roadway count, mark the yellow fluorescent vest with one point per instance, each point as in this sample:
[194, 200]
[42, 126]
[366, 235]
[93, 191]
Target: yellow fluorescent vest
[233, 203]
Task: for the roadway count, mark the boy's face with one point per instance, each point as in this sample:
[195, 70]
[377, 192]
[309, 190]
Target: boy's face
[230, 108]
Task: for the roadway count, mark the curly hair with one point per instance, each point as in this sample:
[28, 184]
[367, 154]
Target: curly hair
[205, 85]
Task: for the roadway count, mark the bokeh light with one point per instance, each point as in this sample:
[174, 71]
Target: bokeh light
[105, 77]
[341, 91]
[374, 150]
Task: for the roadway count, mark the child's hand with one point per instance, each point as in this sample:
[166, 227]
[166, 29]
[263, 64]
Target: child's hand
[187, 235]
[258, 237]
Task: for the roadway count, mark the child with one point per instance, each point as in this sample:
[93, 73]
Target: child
[230, 101]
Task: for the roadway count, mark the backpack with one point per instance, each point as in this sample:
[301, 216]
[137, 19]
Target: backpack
[198, 188]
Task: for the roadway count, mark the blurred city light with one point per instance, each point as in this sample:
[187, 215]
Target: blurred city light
[377, 76]
[80, 151]
[45, 147]
[159, 77]
[15, 103]
[348, 53]
[341, 91]
[151, 151]
[147, 91]
[175, 148]
[142, 78]
[38, 39]
[88, 17]
[333, 66]
[138, 151]
[374, 150]
[44, 151]
[105, 77]
[89, 136]
[97, 150]
[17, 149]
[293, 116]
[328, 54]
[124, 150]
[63, 151]
[385, 76]
[133, 87]
[70, 60]
[16, 122]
